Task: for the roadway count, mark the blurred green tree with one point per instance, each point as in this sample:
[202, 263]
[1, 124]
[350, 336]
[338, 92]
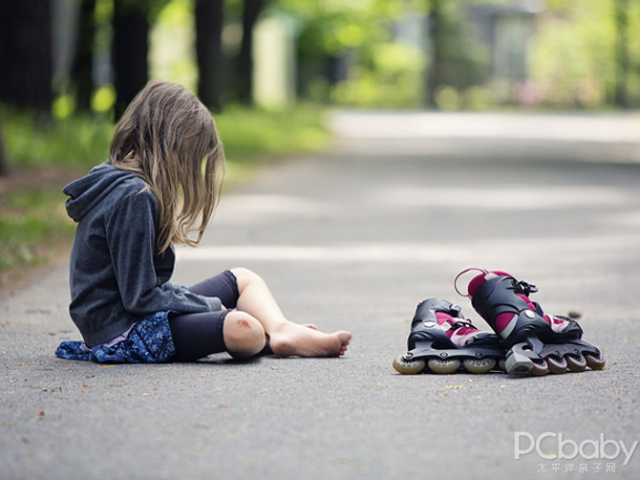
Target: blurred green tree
[435, 71]
[209, 20]
[4, 169]
[82, 69]
[244, 65]
[587, 54]
[25, 55]
[356, 52]
[130, 50]
[338, 48]
[131, 24]
[622, 53]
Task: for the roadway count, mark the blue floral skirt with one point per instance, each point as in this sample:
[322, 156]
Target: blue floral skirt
[149, 341]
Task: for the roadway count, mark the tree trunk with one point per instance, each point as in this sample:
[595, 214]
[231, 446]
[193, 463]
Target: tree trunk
[622, 53]
[130, 50]
[244, 76]
[4, 168]
[83, 61]
[434, 76]
[209, 19]
[25, 54]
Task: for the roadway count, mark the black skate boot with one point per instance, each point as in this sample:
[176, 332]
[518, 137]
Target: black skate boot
[441, 339]
[536, 343]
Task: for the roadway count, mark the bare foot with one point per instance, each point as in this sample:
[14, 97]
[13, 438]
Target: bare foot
[304, 341]
[267, 347]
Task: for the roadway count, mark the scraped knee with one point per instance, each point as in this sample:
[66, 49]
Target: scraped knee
[243, 335]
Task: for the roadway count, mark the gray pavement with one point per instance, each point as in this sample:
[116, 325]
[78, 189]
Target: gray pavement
[353, 239]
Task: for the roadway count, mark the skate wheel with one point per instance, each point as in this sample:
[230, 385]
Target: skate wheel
[539, 369]
[482, 365]
[576, 363]
[408, 366]
[557, 365]
[443, 367]
[595, 363]
[502, 364]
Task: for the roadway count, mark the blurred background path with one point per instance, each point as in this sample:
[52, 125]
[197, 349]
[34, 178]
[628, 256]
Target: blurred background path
[353, 239]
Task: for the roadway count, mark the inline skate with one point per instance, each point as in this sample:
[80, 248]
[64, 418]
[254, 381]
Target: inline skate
[442, 339]
[536, 343]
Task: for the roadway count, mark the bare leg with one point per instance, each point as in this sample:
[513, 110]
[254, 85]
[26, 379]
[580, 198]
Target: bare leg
[285, 338]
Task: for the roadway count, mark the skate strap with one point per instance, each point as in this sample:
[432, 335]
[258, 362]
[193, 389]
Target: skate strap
[463, 324]
[457, 325]
[455, 282]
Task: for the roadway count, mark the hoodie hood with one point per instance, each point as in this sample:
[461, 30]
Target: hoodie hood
[87, 192]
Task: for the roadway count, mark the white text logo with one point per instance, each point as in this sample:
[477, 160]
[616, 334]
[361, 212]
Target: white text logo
[600, 448]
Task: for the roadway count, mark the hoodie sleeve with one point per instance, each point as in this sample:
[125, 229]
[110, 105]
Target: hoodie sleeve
[131, 236]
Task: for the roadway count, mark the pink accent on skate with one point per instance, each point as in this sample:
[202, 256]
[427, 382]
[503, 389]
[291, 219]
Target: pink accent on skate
[529, 302]
[462, 335]
[475, 283]
[557, 324]
[455, 282]
[548, 318]
[455, 333]
[536, 308]
[445, 318]
[485, 276]
[503, 320]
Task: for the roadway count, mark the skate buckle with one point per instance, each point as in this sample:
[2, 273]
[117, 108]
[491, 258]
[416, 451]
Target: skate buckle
[529, 314]
[525, 287]
[463, 324]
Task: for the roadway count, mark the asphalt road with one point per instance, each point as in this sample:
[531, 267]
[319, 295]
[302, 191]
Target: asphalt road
[353, 239]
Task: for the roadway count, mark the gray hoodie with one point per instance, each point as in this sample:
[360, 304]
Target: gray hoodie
[116, 273]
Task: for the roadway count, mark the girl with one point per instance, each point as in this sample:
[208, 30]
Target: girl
[161, 183]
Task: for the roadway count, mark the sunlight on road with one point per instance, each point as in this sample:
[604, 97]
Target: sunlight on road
[607, 128]
[511, 198]
[570, 251]
[248, 209]
[245, 209]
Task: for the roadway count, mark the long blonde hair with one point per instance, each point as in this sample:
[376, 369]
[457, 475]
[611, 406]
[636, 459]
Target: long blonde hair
[165, 136]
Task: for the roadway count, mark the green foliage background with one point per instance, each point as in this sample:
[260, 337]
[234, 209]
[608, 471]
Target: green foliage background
[573, 64]
[33, 221]
[574, 53]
